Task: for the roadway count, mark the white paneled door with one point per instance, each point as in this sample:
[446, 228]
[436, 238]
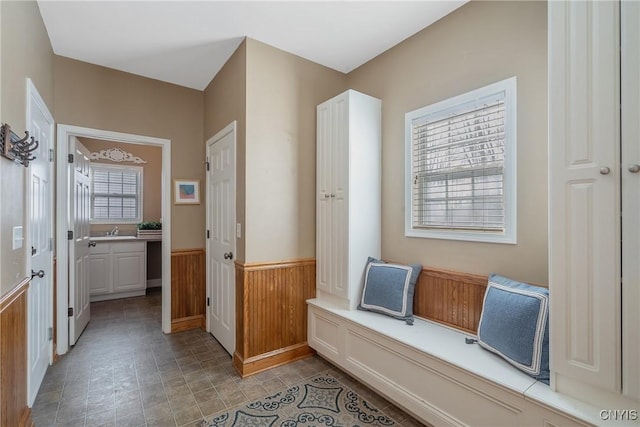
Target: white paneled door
[221, 218]
[80, 208]
[40, 294]
[40, 238]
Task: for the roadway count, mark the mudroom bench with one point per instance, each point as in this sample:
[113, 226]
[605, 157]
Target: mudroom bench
[429, 370]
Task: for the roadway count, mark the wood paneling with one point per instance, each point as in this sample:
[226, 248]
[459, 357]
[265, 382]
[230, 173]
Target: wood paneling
[271, 313]
[13, 357]
[188, 289]
[449, 297]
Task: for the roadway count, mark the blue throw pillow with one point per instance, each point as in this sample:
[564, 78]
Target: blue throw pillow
[515, 325]
[389, 288]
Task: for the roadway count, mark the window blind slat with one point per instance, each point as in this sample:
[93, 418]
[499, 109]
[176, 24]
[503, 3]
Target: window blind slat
[116, 193]
[458, 168]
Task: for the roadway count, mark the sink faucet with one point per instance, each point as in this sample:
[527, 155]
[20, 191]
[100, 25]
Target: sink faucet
[113, 232]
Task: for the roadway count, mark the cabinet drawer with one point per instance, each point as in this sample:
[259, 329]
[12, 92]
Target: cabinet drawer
[124, 247]
[99, 249]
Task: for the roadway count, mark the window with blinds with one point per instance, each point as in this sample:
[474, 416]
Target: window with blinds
[461, 166]
[116, 193]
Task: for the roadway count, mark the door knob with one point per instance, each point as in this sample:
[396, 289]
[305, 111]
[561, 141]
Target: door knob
[91, 243]
[605, 171]
[39, 274]
[228, 255]
[635, 168]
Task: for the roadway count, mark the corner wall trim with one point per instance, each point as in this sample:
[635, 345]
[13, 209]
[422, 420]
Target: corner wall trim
[260, 363]
[187, 323]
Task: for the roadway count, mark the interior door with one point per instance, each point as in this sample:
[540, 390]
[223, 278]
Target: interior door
[40, 294]
[80, 208]
[221, 216]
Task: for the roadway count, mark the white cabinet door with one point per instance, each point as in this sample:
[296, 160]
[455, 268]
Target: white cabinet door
[129, 272]
[584, 147]
[630, 70]
[332, 190]
[323, 193]
[339, 196]
[100, 273]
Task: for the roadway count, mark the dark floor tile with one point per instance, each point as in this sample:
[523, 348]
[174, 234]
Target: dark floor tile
[125, 371]
[211, 406]
[101, 419]
[187, 414]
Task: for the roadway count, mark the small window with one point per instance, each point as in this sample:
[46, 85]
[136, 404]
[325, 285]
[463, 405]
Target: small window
[116, 194]
[461, 167]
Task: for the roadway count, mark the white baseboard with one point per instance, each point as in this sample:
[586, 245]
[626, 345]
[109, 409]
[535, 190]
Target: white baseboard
[154, 283]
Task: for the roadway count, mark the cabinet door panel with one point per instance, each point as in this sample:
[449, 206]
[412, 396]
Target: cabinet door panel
[630, 70]
[339, 196]
[99, 274]
[323, 192]
[128, 272]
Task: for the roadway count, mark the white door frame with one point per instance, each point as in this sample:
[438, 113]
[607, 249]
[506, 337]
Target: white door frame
[230, 128]
[62, 251]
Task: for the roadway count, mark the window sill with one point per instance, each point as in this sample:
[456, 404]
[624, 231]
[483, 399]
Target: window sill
[462, 236]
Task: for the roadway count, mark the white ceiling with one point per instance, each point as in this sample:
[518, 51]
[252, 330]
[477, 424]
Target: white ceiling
[187, 42]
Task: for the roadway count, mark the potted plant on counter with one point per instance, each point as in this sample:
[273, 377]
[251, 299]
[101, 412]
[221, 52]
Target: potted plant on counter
[150, 229]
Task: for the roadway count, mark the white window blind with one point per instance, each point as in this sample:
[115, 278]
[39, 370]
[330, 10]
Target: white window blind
[116, 193]
[460, 169]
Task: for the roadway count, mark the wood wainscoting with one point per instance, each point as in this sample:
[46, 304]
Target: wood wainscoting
[451, 298]
[188, 290]
[13, 357]
[271, 313]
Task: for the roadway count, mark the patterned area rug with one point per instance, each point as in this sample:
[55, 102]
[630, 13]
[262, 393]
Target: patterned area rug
[320, 401]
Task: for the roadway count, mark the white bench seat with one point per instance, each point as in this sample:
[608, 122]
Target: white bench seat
[431, 372]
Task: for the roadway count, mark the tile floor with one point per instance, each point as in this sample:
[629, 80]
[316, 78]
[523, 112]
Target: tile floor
[124, 371]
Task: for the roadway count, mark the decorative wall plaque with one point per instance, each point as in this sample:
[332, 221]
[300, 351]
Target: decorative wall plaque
[116, 155]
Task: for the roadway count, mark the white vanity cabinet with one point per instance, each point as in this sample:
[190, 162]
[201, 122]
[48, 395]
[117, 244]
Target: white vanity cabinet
[117, 269]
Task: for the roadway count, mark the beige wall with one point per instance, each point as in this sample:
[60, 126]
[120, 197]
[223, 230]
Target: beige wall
[25, 52]
[151, 179]
[273, 95]
[283, 91]
[225, 100]
[480, 43]
[96, 97]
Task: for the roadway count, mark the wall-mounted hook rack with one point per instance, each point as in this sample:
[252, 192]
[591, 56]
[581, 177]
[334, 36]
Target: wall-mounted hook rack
[16, 149]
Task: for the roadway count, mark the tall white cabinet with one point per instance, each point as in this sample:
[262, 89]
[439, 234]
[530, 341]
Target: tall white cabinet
[348, 205]
[594, 200]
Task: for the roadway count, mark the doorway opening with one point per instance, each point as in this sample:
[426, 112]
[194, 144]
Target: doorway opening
[64, 134]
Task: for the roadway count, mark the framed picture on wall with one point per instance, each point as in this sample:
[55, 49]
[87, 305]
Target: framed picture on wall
[186, 191]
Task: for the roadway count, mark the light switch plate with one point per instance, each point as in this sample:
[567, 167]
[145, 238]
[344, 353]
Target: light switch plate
[238, 230]
[17, 237]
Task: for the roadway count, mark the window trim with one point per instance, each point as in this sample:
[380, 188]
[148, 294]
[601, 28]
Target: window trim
[140, 171]
[508, 236]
